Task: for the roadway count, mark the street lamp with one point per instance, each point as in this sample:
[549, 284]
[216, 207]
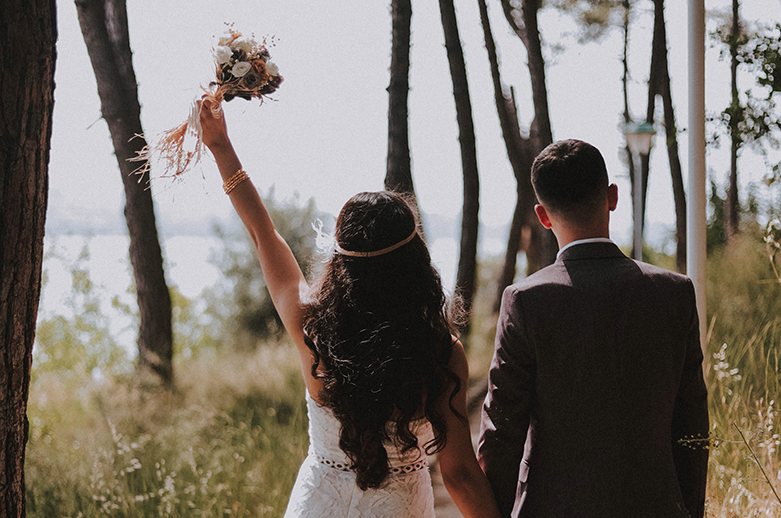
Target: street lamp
[639, 139]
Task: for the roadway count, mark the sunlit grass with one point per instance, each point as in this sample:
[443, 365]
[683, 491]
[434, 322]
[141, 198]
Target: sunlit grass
[228, 442]
[230, 439]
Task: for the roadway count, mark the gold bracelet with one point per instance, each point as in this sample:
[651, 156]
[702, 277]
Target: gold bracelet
[235, 179]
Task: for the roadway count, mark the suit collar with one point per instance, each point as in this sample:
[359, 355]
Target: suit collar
[598, 250]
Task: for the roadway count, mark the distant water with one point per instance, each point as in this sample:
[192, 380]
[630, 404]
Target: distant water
[187, 266]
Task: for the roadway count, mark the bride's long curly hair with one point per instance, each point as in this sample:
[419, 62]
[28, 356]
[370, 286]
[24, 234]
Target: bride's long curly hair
[380, 330]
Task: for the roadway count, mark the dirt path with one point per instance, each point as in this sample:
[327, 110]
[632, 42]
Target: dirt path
[444, 504]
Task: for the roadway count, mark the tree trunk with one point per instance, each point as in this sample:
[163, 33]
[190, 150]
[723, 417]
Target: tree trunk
[542, 247]
[398, 176]
[671, 134]
[625, 89]
[654, 78]
[520, 155]
[467, 261]
[105, 30]
[733, 203]
[659, 84]
[541, 128]
[27, 92]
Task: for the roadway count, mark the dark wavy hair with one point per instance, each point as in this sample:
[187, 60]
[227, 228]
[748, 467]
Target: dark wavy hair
[380, 329]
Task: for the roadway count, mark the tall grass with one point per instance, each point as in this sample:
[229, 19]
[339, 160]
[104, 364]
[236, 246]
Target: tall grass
[743, 373]
[230, 439]
[228, 442]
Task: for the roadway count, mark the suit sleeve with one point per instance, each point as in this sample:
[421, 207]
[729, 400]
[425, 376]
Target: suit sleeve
[505, 417]
[690, 420]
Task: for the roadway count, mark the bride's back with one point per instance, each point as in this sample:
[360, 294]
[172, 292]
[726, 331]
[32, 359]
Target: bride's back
[381, 338]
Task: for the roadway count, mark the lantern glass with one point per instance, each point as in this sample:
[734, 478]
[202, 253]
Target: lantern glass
[639, 137]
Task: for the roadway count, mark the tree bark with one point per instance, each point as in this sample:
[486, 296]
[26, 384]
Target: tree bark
[519, 153]
[733, 203]
[467, 261]
[541, 128]
[654, 77]
[105, 30]
[671, 140]
[659, 84]
[542, 247]
[27, 93]
[625, 89]
[398, 176]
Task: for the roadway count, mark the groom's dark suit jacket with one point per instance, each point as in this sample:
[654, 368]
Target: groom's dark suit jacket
[597, 372]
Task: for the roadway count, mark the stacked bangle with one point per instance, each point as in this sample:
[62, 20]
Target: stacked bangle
[231, 183]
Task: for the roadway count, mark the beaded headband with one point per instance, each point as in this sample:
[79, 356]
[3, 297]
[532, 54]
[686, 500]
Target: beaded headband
[375, 253]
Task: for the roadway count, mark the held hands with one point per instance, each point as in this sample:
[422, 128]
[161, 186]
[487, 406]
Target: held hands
[214, 130]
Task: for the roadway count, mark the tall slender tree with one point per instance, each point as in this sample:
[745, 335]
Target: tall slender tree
[398, 175]
[27, 94]
[659, 85]
[735, 111]
[520, 152]
[105, 30]
[671, 141]
[626, 19]
[525, 24]
[467, 259]
[523, 20]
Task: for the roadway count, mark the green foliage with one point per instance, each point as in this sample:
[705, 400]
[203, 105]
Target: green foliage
[241, 306]
[79, 341]
[716, 231]
[762, 54]
[595, 17]
[753, 117]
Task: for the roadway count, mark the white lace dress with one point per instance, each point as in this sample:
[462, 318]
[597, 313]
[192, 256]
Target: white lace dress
[326, 486]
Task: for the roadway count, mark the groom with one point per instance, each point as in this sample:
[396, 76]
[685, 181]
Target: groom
[597, 369]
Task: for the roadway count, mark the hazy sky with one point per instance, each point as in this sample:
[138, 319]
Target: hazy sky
[325, 137]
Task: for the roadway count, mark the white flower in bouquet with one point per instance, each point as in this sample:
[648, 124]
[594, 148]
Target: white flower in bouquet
[243, 43]
[272, 68]
[222, 54]
[240, 69]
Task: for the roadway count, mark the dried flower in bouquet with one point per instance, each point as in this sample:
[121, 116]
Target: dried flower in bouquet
[243, 69]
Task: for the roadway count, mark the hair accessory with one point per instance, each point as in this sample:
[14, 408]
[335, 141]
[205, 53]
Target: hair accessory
[235, 179]
[375, 253]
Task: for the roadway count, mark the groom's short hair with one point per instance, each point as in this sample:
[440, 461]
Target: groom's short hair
[570, 177]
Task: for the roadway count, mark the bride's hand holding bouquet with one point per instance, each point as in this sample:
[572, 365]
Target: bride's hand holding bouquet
[214, 129]
[243, 68]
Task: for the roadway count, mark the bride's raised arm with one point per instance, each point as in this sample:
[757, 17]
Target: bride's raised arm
[283, 275]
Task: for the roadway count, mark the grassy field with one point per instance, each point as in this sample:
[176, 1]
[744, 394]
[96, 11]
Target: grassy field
[229, 441]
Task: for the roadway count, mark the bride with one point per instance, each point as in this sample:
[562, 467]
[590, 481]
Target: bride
[385, 378]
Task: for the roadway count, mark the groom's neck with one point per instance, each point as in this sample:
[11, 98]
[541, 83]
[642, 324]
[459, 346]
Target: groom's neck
[567, 234]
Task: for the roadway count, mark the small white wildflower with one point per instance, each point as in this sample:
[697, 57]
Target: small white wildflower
[273, 69]
[240, 69]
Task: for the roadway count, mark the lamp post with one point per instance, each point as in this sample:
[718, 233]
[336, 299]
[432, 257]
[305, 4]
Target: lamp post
[639, 138]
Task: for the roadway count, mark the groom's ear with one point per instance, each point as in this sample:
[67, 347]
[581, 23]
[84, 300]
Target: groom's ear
[612, 196]
[542, 215]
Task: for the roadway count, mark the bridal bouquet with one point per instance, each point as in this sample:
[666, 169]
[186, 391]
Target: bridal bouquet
[243, 69]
